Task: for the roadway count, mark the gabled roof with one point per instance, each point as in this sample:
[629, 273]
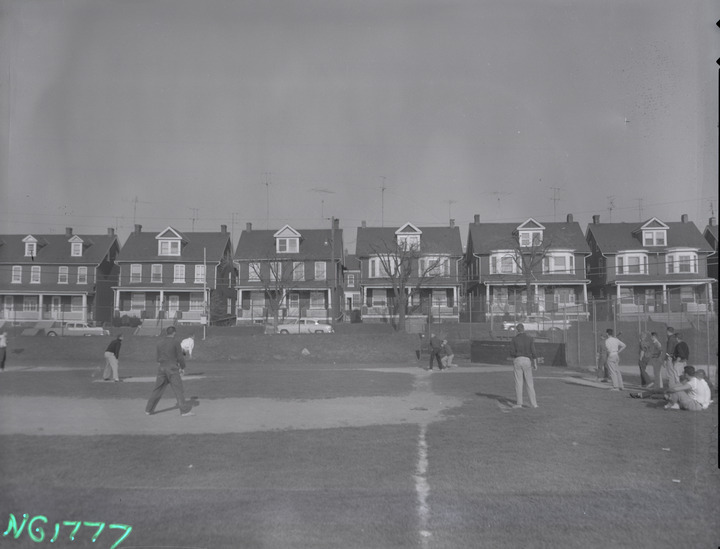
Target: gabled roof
[530, 224]
[652, 223]
[168, 233]
[352, 263]
[485, 238]
[616, 237]
[143, 247]
[315, 244]
[434, 240]
[287, 232]
[55, 249]
[712, 231]
[408, 228]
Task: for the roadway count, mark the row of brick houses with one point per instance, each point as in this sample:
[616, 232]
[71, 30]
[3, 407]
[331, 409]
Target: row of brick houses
[505, 269]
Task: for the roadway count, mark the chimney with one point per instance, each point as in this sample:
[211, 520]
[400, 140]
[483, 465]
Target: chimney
[684, 218]
[223, 229]
[477, 219]
[364, 225]
[248, 227]
[596, 219]
[712, 221]
[138, 229]
[68, 231]
[569, 218]
[452, 223]
[111, 231]
[335, 223]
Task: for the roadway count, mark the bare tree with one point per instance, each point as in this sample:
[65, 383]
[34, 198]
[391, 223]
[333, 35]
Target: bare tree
[407, 271]
[529, 260]
[277, 277]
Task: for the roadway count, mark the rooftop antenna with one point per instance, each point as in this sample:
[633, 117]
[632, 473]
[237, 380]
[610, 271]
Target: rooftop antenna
[232, 227]
[450, 203]
[267, 199]
[135, 202]
[322, 201]
[611, 207]
[382, 201]
[555, 198]
[194, 216]
[640, 209]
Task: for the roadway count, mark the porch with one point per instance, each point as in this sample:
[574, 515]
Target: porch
[259, 306]
[184, 307]
[38, 307]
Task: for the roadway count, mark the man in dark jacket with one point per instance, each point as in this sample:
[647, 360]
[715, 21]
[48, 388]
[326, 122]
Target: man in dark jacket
[673, 373]
[171, 364]
[435, 352]
[112, 359]
[680, 355]
[524, 362]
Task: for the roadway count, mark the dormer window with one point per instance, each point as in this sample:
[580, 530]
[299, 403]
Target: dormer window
[30, 246]
[654, 238]
[76, 249]
[530, 233]
[169, 247]
[408, 237]
[287, 240]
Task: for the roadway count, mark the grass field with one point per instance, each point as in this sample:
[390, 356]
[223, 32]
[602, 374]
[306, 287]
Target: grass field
[307, 454]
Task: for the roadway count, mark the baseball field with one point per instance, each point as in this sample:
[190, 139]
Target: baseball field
[362, 449]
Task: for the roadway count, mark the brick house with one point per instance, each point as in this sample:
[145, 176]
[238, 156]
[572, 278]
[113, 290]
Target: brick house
[60, 277]
[432, 285]
[294, 273]
[174, 275]
[504, 259]
[650, 267]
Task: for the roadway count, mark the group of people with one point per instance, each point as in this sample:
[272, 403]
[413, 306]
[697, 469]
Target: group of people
[440, 352]
[170, 355]
[680, 389]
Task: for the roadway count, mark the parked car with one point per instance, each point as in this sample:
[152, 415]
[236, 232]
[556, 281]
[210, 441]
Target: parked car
[76, 329]
[538, 323]
[305, 326]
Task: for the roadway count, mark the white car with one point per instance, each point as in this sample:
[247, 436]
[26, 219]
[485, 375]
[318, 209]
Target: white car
[538, 323]
[76, 329]
[304, 326]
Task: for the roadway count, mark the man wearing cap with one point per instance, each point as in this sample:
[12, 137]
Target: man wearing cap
[112, 357]
[171, 364]
[524, 362]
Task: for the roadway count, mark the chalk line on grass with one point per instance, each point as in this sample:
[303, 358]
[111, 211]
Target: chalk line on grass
[422, 488]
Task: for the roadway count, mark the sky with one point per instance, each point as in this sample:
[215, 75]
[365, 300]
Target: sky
[197, 113]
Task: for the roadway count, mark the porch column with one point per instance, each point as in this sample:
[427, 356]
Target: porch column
[84, 308]
[40, 306]
[455, 298]
[487, 299]
[585, 299]
[664, 292]
[162, 303]
[709, 297]
[117, 301]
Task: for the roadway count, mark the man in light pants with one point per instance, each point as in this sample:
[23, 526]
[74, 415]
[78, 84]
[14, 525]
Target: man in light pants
[614, 347]
[524, 362]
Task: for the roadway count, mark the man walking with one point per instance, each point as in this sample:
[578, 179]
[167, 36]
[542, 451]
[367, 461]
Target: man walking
[680, 356]
[435, 352]
[614, 347]
[673, 374]
[171, 364]
[448, 357]
[524, 362]
[112, 359]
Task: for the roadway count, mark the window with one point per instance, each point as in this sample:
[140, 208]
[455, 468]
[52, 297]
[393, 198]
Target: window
[377, 266]
[30, 303]
[76, 304]
[137, 301]
[632, 264]
[681, 262]
[287, 245]
[317, 300]
[169, 247]
[156, 274]
[82, 275]
[179, 274]
[564, 297]
[35, 275]
[503, 263]
[199, 274]
[559, 263]
[197, 303]
[351, 281]
[254, 271]
[30, 249]
[275, 271]
[434, 266]
[135, 273]
[379, 298]
[298, 271]
[409, 241]
[17, 274]
[257, 299]
[530, 238]
[62, 275]
[320, 273]
[439, 298]
[294, 302]
[653, 238]
[76, 249]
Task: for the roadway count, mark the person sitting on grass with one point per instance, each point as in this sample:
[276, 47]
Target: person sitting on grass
[692, 394]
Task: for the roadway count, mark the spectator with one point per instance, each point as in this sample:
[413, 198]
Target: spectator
[524, 362]
[693, 394]
[673, 374]
[680, 355]
[644, 358]
[3, 350]
[112, 359]
[448, 357]
[602, 373]
[435, 352]
[656, 360]
[614, 347]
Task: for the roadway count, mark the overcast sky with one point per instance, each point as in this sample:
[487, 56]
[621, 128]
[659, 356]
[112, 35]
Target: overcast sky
[205, 108]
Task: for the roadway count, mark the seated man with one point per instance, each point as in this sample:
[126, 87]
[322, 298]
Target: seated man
[692, 394]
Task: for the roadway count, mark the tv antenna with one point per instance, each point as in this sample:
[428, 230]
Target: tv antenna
[450, 203]
[611, 207]
[267, 182]
[322, 201]
[382, 201]
[555, 198]
[640, 208]
[194, 217]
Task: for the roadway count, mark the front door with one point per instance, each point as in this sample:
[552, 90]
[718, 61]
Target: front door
[173, 305]
[56, 308]
[294, 305]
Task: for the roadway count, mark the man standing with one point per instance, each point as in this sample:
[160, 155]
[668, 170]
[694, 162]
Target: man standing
[448, 357]
[3, 350]
[680, 355]
[112, 359]
[171, 364]
[656, 360]
[614, 347]
[673, 374]
[435, 351]
[692, 395]
[524, 362]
